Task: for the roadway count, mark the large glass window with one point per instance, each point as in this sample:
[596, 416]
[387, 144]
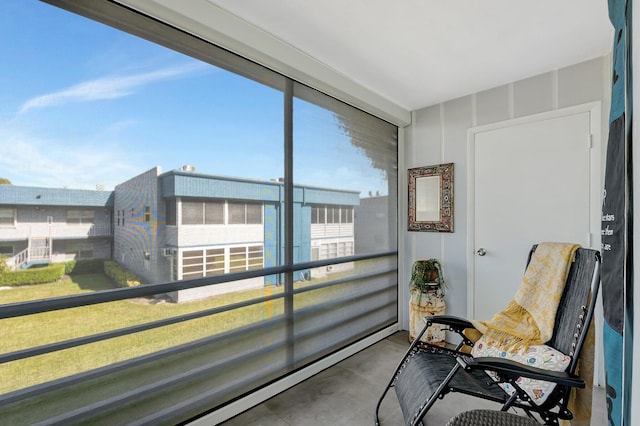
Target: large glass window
[158, 130]
[340, 147]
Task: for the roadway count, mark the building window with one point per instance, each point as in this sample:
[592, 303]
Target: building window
[255, 257]
[120, 217]
[215, 261]
[192, 213]
[147, 214]
[244, 213]
[331, 214]
[254, 214]
[80, 250]
[206, 262]
[202, 212]
[237, 259]
[7, 216]
[332, 250]
[79, 216]
[346, 215]
[349, 249]
[170, 207]
[245, 258]
[214, 213]
[192, 264]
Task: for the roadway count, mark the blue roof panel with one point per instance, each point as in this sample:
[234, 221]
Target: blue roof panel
[35, 196]
[189, 184]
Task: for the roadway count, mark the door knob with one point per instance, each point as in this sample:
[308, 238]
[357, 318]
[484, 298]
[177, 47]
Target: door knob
[481, 252]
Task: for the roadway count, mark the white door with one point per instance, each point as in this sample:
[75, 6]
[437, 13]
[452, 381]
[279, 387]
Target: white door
[531, 180]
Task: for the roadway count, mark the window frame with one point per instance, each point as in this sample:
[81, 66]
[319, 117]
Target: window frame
[84, 217]
[155, 30]
[4, 218]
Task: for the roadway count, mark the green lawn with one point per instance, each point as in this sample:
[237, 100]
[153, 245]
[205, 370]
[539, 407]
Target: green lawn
[25, 332]
[40, 329]
[35, 330]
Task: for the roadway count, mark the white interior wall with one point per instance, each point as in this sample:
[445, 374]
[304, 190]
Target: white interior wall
[438, 134]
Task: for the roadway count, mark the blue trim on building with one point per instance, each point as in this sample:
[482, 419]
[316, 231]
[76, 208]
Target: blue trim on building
[178, 183]
[196, 185]
[35, 196]
[331, 197]
[272, 234]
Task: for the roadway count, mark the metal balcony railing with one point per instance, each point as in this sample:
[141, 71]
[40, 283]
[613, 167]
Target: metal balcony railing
[56, 231]
[185, 380]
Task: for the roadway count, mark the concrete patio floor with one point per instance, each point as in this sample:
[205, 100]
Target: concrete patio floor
[347, 393]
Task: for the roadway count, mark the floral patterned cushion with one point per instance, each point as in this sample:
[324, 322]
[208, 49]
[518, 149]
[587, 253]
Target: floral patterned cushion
[540, 356]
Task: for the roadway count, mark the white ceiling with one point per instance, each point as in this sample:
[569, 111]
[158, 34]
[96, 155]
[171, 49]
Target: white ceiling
[417, 53]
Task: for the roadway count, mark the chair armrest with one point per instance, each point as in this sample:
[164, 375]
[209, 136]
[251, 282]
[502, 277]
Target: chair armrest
[512, 370]
[454, 322]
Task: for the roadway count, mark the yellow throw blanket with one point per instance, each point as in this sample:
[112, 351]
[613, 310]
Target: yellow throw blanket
[529, 318]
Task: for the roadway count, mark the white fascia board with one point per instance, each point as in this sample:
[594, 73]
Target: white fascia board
[222, 28]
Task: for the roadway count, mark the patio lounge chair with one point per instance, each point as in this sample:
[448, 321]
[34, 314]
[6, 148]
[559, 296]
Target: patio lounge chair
[428, 372]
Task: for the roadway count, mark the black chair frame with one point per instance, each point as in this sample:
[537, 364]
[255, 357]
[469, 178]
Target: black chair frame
[429, 372]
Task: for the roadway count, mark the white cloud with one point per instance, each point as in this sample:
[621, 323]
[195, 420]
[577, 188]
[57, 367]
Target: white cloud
[108, 87]
[31, 162]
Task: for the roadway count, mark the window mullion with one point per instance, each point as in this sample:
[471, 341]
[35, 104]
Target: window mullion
[288, 218]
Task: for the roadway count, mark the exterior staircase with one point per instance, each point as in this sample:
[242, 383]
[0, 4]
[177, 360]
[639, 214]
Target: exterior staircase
[37, 252]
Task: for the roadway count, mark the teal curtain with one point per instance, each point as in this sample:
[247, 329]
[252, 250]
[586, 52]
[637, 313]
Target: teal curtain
[617, 225]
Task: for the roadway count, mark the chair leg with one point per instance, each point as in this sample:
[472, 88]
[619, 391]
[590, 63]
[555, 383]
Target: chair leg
[380, 402]
[415, 342]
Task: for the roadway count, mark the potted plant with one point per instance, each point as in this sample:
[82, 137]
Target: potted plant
[427, 287]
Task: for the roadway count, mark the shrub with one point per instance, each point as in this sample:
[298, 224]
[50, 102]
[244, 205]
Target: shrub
[46, 274]
[121, 276]
[84, 266]
[4, 267]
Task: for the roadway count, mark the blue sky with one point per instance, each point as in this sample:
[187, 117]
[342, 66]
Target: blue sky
[82, 104]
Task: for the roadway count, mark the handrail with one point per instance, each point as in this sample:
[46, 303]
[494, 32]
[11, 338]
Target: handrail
[109, 369]
[21, 258]
[72, 343]
[17, 309]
